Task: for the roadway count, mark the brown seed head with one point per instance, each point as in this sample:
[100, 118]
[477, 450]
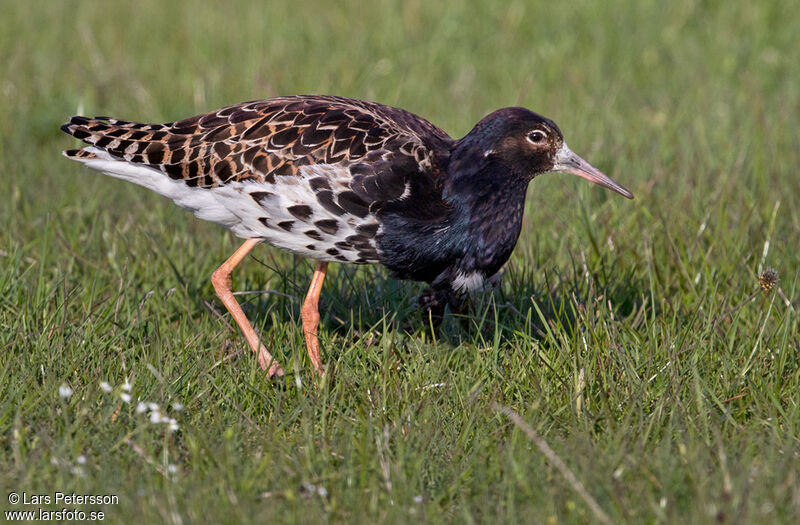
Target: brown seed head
[768, 279]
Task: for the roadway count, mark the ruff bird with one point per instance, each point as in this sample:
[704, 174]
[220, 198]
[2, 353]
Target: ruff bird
[343, 180]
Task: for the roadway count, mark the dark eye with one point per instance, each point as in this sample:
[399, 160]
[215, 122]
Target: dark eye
[537, 136]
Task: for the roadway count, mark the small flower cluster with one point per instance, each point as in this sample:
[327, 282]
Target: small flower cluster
[75, 468]
[153, 411]
[156, 416]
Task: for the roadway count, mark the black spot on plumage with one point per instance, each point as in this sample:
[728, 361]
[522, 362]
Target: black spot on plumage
[208, 181]
[305, 120]
[183, 130]
[158, 135]
[338, 150]
[212, 121]
[325, 199]
[196, 140]
[336, 115]
[264, 221]
[79, 121]
[362, 123]
[329, 226]
[137, 135]
[301, 211]
[352, 203]
[261, 197]
[300, 149]
[249, 155]
[311, 247]
[193, 169]
[314, 234]
[319, 183]
[177, 155]
[80, 134]
[137, 159]
[221, 149]
[357, 149]
[175, 171]
[345, 133]
[283, 138]
[293, 107]
[375, 137]
[313, 137]
[368, 230]
[340, 258]
[222, 169]
[191, 121]
[286, 225]
[358, 240]
[258, 130]
[117, 132]
[314, 108]
[99, 127]
[343, 245]
[368, 253]
[332, 251]
[103, 141]
[241, 116]
[238, 166]
[219, 134]
[261, 164]
[192, 182]
[155, 153]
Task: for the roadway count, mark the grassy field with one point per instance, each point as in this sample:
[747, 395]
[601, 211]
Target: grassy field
[631, 335]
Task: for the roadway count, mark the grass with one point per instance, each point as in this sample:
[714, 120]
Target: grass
[630, 335]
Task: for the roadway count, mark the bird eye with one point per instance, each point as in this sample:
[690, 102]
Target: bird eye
[537, 136]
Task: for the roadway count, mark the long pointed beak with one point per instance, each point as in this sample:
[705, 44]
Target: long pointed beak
[569, 162]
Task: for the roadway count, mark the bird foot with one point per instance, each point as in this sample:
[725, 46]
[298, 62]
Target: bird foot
[269, 363]
[433, 303]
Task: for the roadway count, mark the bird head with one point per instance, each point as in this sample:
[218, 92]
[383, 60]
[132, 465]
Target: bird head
[528, 144]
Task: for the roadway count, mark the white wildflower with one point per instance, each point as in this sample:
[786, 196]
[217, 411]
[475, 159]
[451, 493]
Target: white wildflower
[155, 417]
[81, 460]
[126, 386]
[64, 391]
[106, 387]
[173, 425]
[153, 407]
[125, 397]
[177, 407]
[172, 469]
[141, 408]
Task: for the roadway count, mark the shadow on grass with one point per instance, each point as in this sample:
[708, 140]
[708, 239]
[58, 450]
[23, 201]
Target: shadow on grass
[357, 301]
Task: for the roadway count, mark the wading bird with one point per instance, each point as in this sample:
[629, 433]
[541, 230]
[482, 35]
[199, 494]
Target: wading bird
[342, 180]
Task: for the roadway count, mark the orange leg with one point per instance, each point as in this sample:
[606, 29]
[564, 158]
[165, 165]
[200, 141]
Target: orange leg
[221, 279]
[309, 313]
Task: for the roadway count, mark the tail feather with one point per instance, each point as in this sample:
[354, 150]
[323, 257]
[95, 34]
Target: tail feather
[131, 141]
[79, 154]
